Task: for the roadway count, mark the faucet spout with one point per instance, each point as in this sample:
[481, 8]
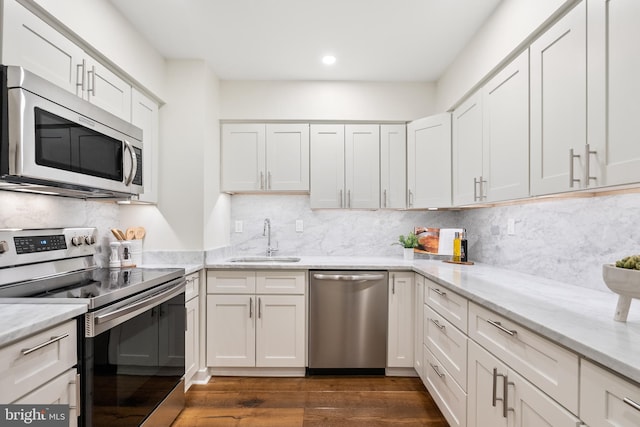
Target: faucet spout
[266, 231]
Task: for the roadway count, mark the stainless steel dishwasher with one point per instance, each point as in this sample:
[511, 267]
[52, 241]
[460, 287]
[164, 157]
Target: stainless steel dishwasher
[348, 322]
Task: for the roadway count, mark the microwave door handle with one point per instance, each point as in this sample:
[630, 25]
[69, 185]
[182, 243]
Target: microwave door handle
[134, 163]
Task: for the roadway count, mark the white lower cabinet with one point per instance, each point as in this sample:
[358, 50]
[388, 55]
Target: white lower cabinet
[401, 321]
[192, 332]
[446, 392]
[418, 325]
[607, 400]
[257, 329]
[498, 396]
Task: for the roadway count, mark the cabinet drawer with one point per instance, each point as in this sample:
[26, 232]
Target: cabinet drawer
[547, 365]
[607, 399]
[450, 305]
[27, 364]
[231, 282]
[281, 282]
[193, 285]
[446, 392]
[447, 343]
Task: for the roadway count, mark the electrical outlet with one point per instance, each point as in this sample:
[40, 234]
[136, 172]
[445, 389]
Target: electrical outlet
[238, 226]
[299, 226]
[511, 226]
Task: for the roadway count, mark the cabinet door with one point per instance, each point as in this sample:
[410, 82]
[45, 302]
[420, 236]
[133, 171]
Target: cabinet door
[505, 159]
[192, 340]
[108, 91]
[613, 89]
[231, 330]
[287, 157]
[144, 114]
[243, 157]
[280, 335]
[530, 407]
[30, 42]
[467, 152]
[486, 389]
[559, 105]
[393, 166]
[327, 166]
[429, 162]
[401, 326]
[362, 166]
[418, 301]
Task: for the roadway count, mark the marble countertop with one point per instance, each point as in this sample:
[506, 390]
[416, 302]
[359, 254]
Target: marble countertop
[577, 318]
[188, 268]
[21, 320]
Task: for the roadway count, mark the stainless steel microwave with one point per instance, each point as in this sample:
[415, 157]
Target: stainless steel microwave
[54, 142]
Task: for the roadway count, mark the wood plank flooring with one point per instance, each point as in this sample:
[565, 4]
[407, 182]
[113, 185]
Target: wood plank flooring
[310, 402]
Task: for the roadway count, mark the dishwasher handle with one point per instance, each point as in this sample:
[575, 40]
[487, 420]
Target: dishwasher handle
[348, 277]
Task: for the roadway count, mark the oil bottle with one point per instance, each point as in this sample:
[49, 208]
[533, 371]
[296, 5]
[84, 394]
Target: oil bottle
[457, 247]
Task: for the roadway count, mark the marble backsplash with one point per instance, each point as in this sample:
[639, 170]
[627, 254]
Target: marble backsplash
[326, 231]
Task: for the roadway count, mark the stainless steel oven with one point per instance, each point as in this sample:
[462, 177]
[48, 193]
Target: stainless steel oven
[131, 347]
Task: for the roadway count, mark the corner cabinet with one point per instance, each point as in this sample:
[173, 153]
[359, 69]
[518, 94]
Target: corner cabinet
[265, 157]
[345, 166]
[429, 162]
[144, 114]
[30, 42]
[256, 319]
[400, 342]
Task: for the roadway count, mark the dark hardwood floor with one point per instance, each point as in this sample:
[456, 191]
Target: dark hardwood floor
[311, 401]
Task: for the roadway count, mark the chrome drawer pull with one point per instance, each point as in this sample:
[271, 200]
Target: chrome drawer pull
[439, 292]
[498, 325]
[631, 403]
[435, 322]
[435, 368]
[44, 344]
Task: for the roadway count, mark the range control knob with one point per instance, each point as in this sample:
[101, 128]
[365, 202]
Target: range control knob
[89, 240]
[77, 241]
[4, 246]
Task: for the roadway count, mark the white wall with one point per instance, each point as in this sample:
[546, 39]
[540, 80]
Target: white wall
[188, 198]
[510, 26]
[102, 27]
[325, 100]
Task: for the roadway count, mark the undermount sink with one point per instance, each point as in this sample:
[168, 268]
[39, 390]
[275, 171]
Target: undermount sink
[265, 259]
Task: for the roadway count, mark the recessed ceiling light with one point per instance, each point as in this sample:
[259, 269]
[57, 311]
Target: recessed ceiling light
[329, 60]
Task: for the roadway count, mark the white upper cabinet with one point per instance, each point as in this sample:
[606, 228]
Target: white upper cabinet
[30, 42]
[259, 157]
[505, 142]
[345, 166]
[614, 89]
[559, 105]
[429, 162]
[467, 151]
[362, 166]
[144, 114]
[393, 166]
[287, 157]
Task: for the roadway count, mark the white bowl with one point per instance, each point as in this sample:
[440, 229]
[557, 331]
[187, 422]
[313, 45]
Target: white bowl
[625, 283]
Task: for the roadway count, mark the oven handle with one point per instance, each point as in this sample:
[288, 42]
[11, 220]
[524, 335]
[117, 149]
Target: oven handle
[144, 304]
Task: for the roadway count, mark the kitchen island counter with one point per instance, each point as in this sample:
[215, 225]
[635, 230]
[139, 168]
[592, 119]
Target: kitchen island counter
[577, 318]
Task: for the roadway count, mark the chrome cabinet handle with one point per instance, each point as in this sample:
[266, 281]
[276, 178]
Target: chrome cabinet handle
[80, 69]
[437, 370]
[505, 391]
[572, 156]
[384, 198]
[269, 180]
[410, 197]
[498, 325]
[439, 292]
[341, 200]
[92, 88]
[259, 308]
[250, 307]
[393, 284]
[134, 163]
[44, 344]
[261, 180]
[475, 189]
[631, 403]
[482, 189]
[438, 324]
[349, 199]
[587, 165]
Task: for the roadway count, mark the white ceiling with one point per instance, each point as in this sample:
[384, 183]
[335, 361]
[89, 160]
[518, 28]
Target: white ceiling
[373, 40]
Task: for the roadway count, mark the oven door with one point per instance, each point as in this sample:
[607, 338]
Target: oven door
[133, 356]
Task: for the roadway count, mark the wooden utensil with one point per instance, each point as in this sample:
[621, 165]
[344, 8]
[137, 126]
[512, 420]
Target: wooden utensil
[140, 232]
[131, 233]
[117, 233]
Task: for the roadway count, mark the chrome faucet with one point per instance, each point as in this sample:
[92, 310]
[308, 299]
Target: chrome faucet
[267, 232]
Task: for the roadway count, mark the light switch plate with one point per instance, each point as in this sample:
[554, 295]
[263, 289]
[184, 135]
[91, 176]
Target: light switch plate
[511, 226]
[299, 226]
[238, 226]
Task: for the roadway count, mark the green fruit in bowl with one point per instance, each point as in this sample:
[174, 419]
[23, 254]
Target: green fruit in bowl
[631, 262]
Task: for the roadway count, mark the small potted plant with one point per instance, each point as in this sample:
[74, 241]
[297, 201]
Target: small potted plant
[408, 242]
